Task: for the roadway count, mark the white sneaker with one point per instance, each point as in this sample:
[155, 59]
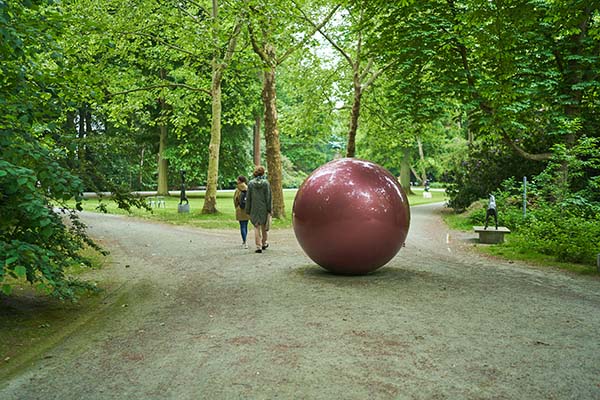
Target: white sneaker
[244, 245]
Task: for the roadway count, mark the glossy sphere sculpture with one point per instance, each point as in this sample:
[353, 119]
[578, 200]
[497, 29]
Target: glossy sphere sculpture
[351, 216]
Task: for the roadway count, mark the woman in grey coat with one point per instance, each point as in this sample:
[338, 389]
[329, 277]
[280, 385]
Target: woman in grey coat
[258, 205]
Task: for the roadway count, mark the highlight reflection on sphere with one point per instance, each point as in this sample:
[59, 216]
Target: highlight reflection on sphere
[351, 216]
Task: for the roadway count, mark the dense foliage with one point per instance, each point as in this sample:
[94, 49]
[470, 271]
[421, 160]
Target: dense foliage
[36, 242]
[568, 230]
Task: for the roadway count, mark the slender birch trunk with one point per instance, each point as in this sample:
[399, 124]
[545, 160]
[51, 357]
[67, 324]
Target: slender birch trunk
[272, 143]
[163, 166]
[256, 141]
[210, 198]
[405, 170]
[219, 64]
[354, 115]
[422, 160]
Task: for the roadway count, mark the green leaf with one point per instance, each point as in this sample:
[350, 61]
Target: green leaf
[21, 271]
[10, 260]
[7, 289]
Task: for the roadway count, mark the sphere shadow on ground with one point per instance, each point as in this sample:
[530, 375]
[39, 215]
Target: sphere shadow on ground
[387, 275]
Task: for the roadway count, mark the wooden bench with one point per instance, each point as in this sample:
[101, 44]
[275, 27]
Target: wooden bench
[491, 235]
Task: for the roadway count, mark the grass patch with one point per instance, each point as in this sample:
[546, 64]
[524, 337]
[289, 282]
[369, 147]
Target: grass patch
[456, 221]
[225, 218]
[32, 322]
[97, 261]
[417, 198]
[505, 250]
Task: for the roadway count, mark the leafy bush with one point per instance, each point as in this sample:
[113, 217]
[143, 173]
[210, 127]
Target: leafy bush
[572, 239]
[484, 169]
[35, 242]
[569, 230]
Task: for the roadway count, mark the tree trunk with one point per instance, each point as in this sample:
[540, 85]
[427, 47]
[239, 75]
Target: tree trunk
[141, 175]
[416, 174]
[272, 142]
[163, 166]
[351, 146]
[422, 160]
[81, 142]
[256, 141]
[405, 170]
[219, 63]
[210, 198]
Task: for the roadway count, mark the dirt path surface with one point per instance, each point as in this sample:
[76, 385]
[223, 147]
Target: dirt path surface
[192, 316]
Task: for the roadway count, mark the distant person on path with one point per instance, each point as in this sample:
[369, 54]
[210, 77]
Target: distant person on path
[259, 205]
[491, 210]
[239, 201]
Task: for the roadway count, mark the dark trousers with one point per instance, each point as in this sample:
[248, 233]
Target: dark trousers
[244, 230]
[490, 212]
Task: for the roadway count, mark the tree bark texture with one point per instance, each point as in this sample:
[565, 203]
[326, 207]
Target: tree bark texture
[163, 166]
[272, 142]
[405, 170]
[355, 113]
[212, 178]
[81, 145]
[141, 174]
[219, 64]
[422, 160]
[256, 141]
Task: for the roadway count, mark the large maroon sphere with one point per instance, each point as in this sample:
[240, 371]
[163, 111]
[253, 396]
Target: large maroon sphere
[351, 216]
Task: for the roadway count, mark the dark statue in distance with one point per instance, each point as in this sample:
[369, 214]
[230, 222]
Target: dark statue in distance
[183, 208]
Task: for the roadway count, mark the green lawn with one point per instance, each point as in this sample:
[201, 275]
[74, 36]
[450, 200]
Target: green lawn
[225, 218]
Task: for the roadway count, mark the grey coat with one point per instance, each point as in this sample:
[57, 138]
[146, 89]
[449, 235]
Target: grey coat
[258, 200]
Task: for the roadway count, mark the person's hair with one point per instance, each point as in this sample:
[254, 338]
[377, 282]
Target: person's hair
[259, 171]
[242, 179]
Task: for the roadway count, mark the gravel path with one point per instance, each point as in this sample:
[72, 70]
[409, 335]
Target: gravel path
[190, 315]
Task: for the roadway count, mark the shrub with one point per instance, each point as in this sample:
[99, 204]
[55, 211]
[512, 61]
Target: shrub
[569, 230]
[568, 238]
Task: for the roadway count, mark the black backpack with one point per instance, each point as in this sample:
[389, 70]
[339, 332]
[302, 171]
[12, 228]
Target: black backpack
[243, 199]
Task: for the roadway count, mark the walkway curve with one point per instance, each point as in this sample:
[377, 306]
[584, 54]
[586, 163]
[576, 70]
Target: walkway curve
[191, 315]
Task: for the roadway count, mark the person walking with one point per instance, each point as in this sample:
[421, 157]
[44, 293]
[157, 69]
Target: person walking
[259, 206]
[239, 201]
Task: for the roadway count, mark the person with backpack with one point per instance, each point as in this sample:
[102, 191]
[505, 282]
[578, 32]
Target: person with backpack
[259, 205]
[239, 201]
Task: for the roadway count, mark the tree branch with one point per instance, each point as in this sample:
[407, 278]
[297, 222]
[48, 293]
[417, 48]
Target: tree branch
[319, 28]
[363, 75]
[163, 42]
[377, 73]
[521, 151]
[166, 85]
[232, 41]
[257, 49]
[190, 15]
